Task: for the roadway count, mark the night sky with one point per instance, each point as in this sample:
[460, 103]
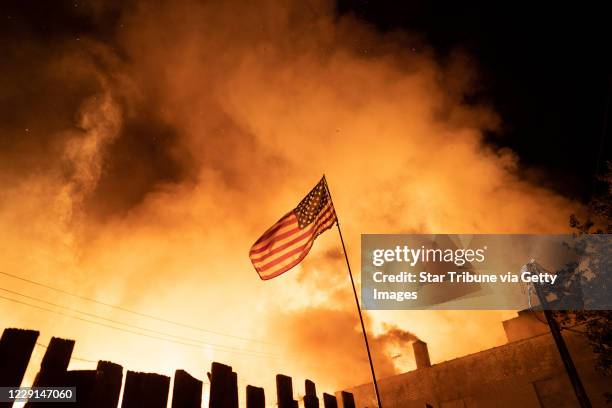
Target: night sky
[546, 69]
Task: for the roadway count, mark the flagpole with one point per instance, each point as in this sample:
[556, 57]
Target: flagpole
[348, 265]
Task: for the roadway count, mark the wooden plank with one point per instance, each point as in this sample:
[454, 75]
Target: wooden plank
[53, 368]
[108, 385]
[145, 390]
[329, 401]
[284, 391]
[54, 363]
[16, 346]
[234, 390]
[255, 397]
[187, 391]
[223, 387]
[84, 382]
[348, 401]
[310, 399]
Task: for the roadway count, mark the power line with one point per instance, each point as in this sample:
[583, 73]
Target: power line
[134, 326]
[161, 319]
[94, 361]
[238, 351]
[71, 357]
[135, 332]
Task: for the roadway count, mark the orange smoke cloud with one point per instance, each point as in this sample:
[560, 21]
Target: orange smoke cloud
[178, 140]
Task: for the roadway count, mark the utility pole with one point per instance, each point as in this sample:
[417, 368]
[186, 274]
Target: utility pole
[570, 368]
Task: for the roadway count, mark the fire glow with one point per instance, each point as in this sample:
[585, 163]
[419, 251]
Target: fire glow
[168, 151]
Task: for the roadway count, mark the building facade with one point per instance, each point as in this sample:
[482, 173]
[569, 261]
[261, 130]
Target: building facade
[525, 372]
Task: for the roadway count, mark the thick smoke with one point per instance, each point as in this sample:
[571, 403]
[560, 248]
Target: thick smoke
[138, 165]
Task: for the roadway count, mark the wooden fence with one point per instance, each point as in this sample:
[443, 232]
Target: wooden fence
[101, 388]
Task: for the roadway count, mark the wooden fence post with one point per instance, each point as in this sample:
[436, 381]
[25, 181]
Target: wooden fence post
[329, 401]
[187, 392]
[101, 388]
[54, 363]
[284, 392]
[108, 385]
[53, 367]
[234, 390]
[348, 401]
[223, 387]
[16, 346]
[145, 390]
[84, 382]
[310, 399]
[255, 397]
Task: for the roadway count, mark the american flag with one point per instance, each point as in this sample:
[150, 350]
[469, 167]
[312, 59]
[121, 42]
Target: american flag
[287, 242]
